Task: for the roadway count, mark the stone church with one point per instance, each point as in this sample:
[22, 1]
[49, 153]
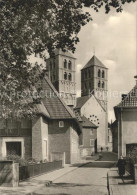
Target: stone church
[93, 101]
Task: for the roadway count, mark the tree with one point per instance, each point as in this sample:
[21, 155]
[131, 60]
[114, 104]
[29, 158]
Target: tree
[33, 27]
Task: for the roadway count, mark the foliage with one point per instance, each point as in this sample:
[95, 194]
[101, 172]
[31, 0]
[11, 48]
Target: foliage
[132, 154]
[33, 27]
[17, 159]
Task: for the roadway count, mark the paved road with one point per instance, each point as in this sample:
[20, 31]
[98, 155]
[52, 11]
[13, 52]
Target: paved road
[90, 179]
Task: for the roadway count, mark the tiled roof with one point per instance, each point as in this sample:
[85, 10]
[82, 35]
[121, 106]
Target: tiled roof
[67, 53]
[81, 101]
[94, 61]
[130, 100]
[41, 109]
[55, 106]
[87, 123]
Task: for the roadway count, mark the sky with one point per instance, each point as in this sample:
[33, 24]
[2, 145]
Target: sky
[113, 36]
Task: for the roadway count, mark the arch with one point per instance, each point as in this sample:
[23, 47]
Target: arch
[65, 75]
[99, 73]
[69, 65]
[103, 74]
[69, 77]
[99, 84]
[103, 84]
[65, 63]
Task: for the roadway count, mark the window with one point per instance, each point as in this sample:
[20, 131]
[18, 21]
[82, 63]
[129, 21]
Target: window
[45, 148]
[65, 75]
[69, 77]
[13, 148]
[85, 74]
[91, 142]
[89, 73]
[99, 84]
[103, 84]
[61, 123]
[91, 132]
[54, 64]
[103, 74]
[69, 65]
[99, 73]
[65, 63]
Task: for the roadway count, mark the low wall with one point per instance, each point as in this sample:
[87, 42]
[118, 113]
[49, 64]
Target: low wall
[32, 170]
[9, 174]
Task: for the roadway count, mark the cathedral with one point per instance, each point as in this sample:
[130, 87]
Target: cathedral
[93, 101]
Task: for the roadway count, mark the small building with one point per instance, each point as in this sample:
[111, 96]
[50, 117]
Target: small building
[88, 137]
[126, 115]
[55, 129]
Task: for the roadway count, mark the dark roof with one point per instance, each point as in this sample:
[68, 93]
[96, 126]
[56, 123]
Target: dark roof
[41, 109]
[81, 101]
[87, 123]
[66, 53]
[130, 101]
[55, 106]
[94, 61]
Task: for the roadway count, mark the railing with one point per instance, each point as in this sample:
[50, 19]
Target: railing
[32, 170]
[130, 168]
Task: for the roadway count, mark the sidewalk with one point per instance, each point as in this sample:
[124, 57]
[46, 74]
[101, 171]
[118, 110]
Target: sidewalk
[119, 186]
[29, 186]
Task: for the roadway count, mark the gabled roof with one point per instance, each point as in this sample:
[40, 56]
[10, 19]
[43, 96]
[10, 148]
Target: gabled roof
[87, 123]
[66, 53]
[94, 61]
[55, 106]
[81, 101]
[130, 101]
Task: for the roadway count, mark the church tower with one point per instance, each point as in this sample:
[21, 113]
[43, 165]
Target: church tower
[94, 80]
[61, 72]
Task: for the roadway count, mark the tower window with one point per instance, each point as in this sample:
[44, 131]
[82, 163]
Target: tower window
[99, 84]
[65, 75]
[99, 73]
[85, 86]
[69, 65]
[89, 73]
[85, 74]
[69, 77]
[103, 74]
[103, 84]
[65, 63]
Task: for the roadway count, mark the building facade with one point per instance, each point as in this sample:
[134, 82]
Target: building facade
[61, 72]
[126, 115]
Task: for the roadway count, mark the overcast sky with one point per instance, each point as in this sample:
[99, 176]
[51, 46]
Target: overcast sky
[113, 36]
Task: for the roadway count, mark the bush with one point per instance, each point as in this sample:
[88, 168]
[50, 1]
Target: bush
[17, 159]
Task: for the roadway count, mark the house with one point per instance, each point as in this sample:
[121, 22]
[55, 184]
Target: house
[126, 115]
[88, 137]
[114, 128]
[91, 108]
[55, 129]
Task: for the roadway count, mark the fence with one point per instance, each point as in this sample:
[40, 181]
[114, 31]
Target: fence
[32, 170]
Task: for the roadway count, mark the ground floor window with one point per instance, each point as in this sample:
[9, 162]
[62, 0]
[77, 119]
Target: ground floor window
[13, 148]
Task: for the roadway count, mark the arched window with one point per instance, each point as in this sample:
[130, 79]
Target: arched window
[99, 73]
[103, 74]
[65, 75]
[69, 65]
[99, 84]
[65, 63]
[85, 86]
[89, 73]
[103, 84]
[69, 77]
[85, 74]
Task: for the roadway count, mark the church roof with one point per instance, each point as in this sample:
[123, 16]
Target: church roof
[67, 53]
[130, 101]
[55, 106]
[81, 101]
[94, 61]
[87, 123]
